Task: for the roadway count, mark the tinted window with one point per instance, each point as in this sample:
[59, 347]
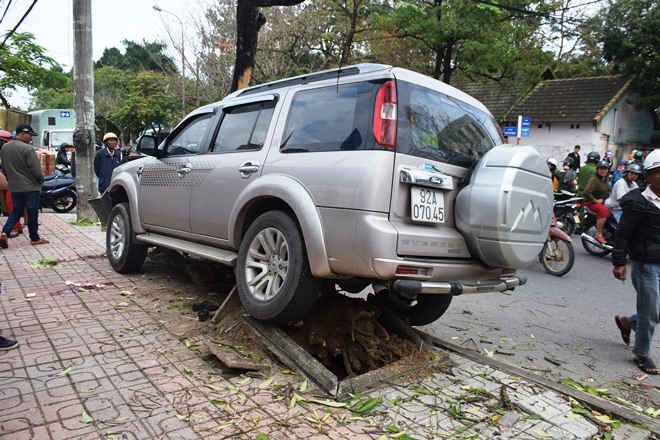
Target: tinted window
[189, 139]
[437, 127]
[244, 127]
[329, 119]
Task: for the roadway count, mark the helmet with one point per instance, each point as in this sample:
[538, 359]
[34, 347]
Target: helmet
[109, 135]
[593, 156]
[622, 162]
[5, 135]
[603, 164]
[552, 160]
[568, 159]
[609, 153]
[634, 168]
[652, 160]
[638, 154]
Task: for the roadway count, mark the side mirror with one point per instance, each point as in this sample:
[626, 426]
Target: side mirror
[147, 144]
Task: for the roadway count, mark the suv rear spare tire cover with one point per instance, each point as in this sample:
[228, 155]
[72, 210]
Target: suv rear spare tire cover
[504, 212]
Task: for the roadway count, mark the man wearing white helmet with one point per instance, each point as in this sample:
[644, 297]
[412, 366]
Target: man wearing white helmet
[107, 159]
[638, 235]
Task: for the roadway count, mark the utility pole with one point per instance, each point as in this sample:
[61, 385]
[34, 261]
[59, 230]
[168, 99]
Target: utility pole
[83, 104]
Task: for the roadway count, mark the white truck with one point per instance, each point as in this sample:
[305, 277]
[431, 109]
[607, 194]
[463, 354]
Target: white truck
[54, 126]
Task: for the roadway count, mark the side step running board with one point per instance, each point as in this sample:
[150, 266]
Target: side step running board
[222, 256]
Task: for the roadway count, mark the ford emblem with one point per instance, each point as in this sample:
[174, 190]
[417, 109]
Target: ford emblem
[435, 180]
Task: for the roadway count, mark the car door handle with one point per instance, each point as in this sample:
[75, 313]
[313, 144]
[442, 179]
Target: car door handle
[248, 168]
[183, 170]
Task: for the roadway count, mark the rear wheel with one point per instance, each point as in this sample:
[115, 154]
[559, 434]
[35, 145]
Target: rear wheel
[568, 224]
[424, 310]
[123, 254]
[557, 256]
[65, 202]
[273, 276]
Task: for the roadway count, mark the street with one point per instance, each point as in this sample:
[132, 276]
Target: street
[560, 327]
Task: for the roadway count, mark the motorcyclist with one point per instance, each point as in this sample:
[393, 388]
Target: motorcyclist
[587, 170]
[595, 193]
[554, 173]
[619, 172]
[621, 188]
[62, 158]
[567, 176]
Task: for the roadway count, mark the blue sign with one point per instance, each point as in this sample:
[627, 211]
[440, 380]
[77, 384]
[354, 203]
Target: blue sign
[64, 114]
[510, 131]
[525, 127]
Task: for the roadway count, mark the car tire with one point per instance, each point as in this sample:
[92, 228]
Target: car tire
[273, 277]
[426, 309]
[123, 254]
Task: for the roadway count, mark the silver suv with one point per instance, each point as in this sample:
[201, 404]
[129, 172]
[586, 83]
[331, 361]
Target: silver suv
[368, 175]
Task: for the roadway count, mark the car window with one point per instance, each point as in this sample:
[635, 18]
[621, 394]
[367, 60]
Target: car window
[332, 118]
[189, 139]
[437, 127]
[244, 127]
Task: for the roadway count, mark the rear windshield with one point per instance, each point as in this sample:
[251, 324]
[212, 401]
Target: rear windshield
[437, 127]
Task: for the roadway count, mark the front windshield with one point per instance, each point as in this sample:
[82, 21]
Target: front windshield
[57, 138]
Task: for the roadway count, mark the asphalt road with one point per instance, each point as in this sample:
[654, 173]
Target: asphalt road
[560, 327]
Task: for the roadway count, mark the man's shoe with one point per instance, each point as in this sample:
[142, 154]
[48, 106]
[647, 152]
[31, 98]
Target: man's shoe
[7, 344]
[40, 241]
[3, 241]
[13, 234]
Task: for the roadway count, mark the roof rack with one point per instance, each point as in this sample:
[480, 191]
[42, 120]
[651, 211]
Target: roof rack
[313, 77]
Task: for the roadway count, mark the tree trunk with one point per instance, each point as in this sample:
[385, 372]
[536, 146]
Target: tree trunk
[83, 103]
[248, 23]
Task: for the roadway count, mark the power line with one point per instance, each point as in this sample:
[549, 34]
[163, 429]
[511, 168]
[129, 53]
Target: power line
[6, 10]
[34, 2]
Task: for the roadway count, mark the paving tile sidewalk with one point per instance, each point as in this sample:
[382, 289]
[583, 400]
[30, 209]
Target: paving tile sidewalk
[96, 364]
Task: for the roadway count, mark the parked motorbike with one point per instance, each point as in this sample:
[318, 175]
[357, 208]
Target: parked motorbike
[557, 256]
[588, 236]
[58, 191]
[566, 211]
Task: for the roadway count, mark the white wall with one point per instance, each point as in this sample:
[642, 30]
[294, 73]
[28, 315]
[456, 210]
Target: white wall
[558, 139]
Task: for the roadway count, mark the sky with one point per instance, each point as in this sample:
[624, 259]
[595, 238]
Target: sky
[51, 21]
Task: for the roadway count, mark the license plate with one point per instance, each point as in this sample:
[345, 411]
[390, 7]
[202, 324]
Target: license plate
[576, 218]
[427, 205]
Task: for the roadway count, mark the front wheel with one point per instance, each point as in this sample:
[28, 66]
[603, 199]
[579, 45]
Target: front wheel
[124, 255]
[557, 256]
[273, 277]
[593, 249]
[65, 202]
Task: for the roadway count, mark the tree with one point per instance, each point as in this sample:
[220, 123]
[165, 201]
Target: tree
[56, 92]
[23, 63]
[631, 43]
[480, 38]
[138, 56]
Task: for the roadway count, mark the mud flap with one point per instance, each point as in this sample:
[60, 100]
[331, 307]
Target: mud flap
[102, 206]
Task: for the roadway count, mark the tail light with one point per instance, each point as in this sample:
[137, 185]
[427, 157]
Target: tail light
[385, 115]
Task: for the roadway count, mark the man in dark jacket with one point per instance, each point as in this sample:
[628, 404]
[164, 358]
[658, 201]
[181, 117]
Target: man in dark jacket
[638, 235]
[575, 155]
[107, 159]
[23, 171]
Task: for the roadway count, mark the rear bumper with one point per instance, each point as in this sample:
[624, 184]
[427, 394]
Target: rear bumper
[413, 287]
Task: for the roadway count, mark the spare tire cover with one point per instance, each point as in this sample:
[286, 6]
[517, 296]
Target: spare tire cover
[504, 212]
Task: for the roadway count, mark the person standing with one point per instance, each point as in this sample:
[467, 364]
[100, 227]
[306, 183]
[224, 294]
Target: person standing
[576, 158]
[106, 160]
[587, 170]
[638, 235]
[621, 188]
[23, 171]
[595, 194]
[5, 137]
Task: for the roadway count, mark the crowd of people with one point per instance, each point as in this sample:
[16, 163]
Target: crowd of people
[631, 194]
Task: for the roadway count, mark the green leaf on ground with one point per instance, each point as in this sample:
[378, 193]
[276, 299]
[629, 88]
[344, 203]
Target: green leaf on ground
[82, 221]
[65, 372]
[303, 387]
[86, 418]
[266, 383]
[330, 403]
[364, 407]
[45, 262]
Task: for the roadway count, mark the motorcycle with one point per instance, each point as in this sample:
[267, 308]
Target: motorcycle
[588, 237]
[557, 256]
[566, 211]
[58, 191]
